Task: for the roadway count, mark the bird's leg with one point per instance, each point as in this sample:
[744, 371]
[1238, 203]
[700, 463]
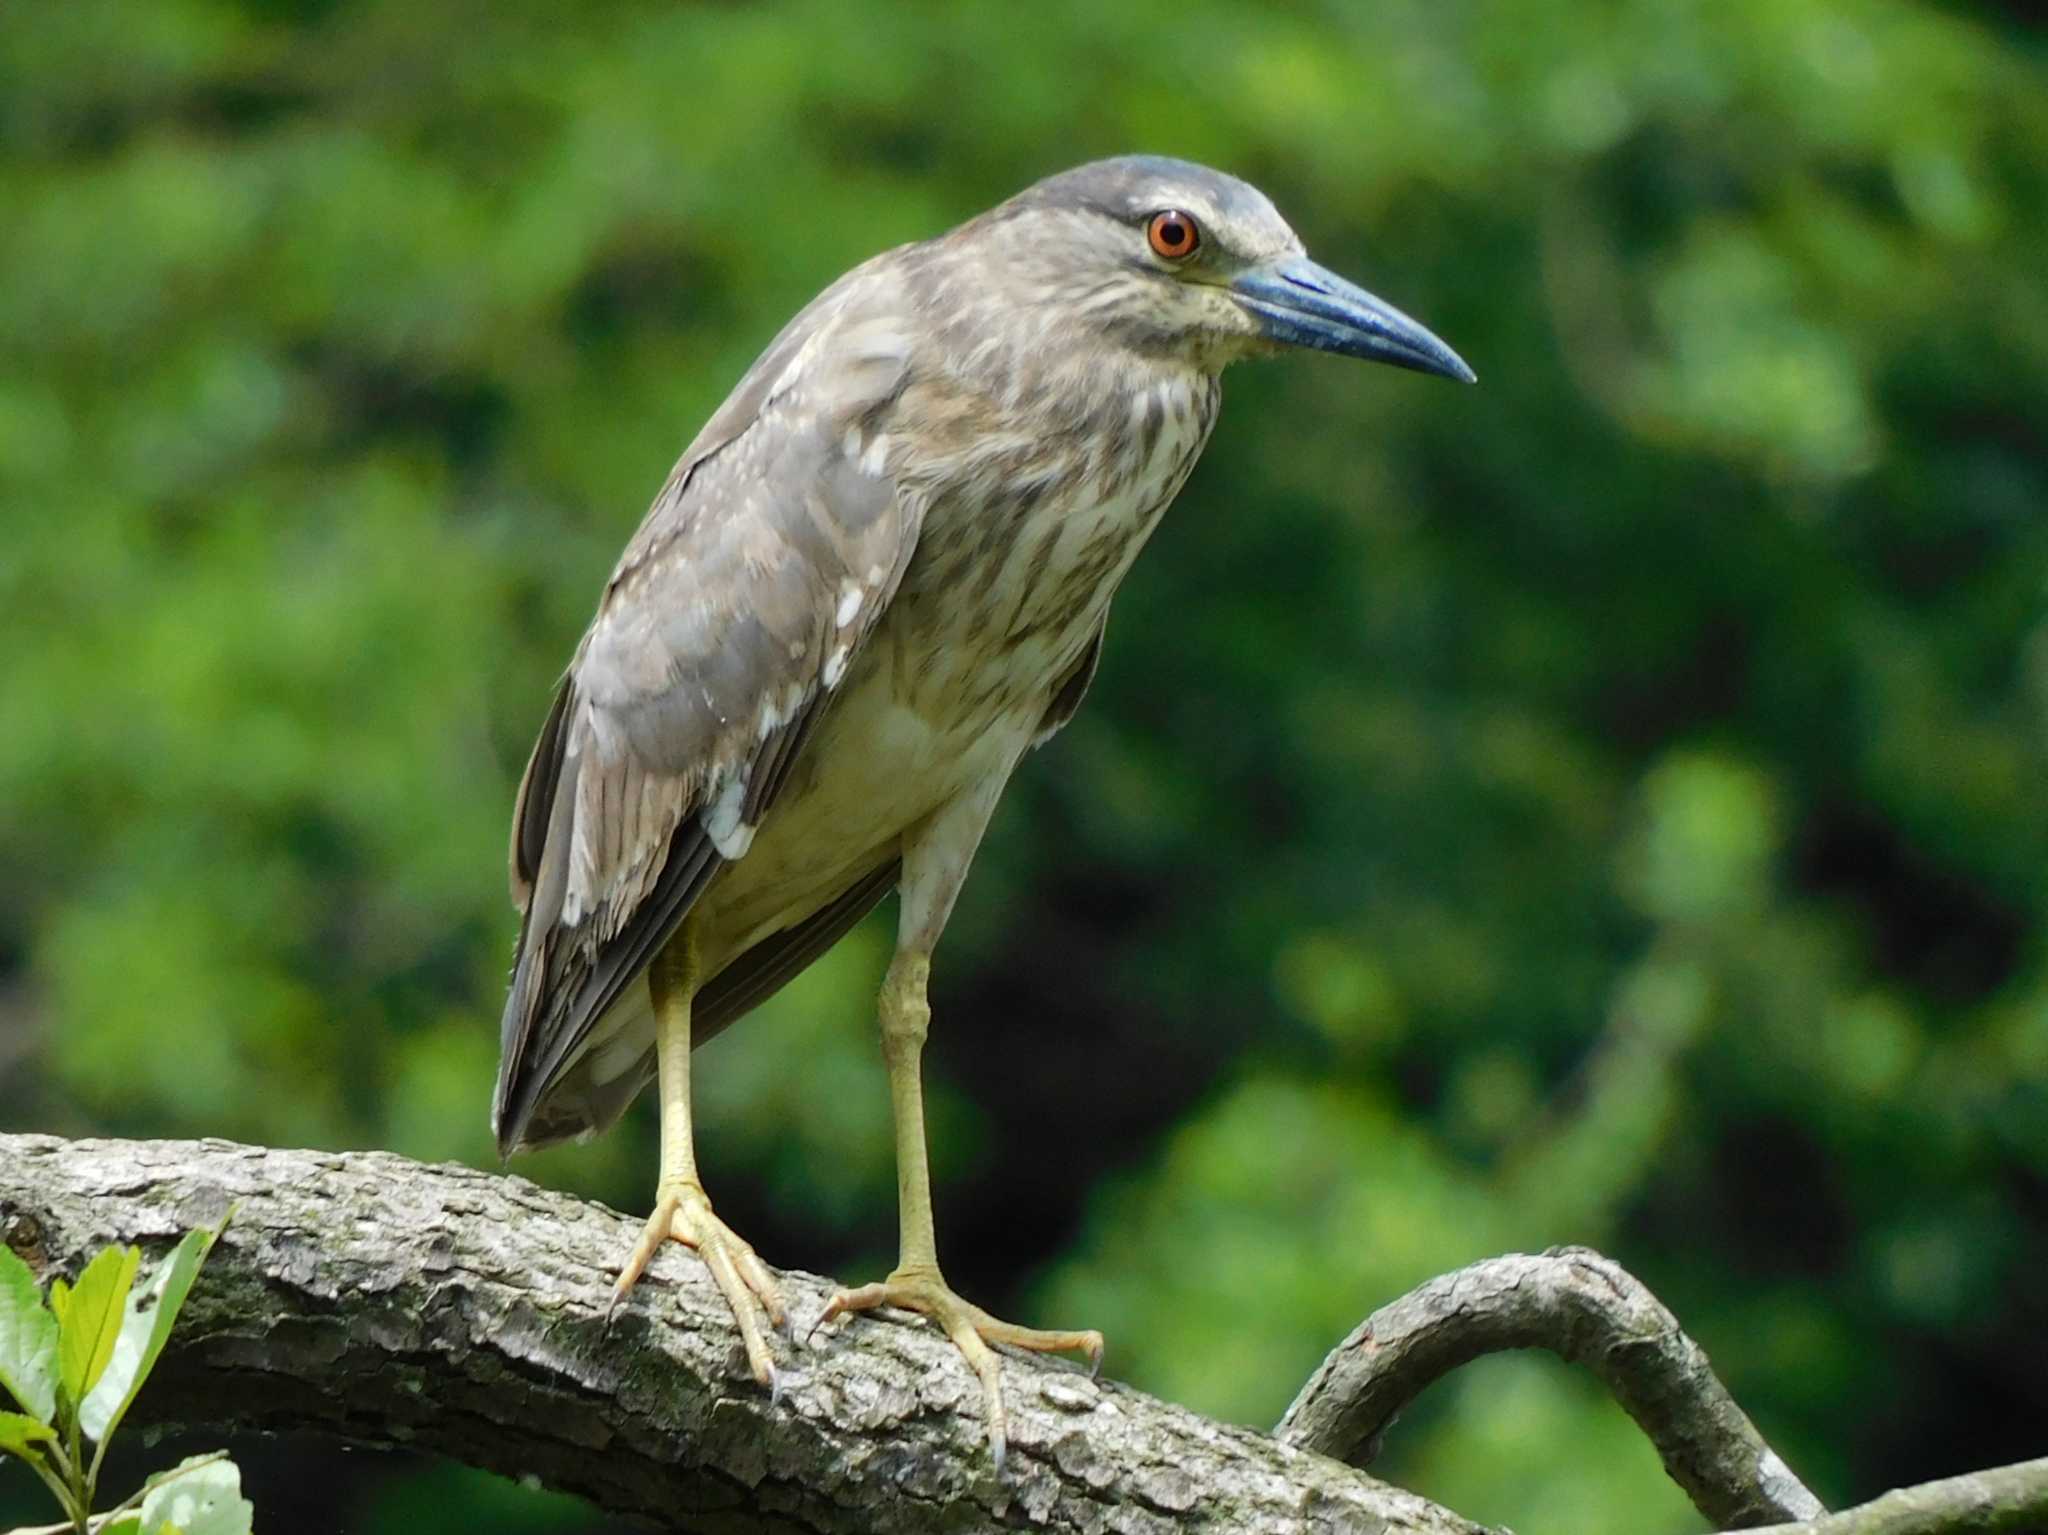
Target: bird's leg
[681, 1212]
[906, 1017]
[928, 888]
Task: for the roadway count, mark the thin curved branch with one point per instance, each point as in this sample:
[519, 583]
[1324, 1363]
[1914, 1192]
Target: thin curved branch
[389, 1303]
[1586, 1309]
[2006, 1500]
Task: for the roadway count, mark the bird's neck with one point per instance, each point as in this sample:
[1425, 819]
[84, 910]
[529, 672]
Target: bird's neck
[1041, 370]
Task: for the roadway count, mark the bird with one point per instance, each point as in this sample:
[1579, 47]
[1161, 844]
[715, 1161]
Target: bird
[874, 582]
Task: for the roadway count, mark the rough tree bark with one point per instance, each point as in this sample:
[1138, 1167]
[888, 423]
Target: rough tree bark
[388, 1303]
[462, 1312]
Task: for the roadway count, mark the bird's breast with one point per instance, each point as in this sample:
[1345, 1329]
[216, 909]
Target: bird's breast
[1024, 541]
[1028, 533]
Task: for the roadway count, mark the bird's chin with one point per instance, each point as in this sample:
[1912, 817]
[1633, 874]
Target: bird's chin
[1214, 349]
[1262, 346]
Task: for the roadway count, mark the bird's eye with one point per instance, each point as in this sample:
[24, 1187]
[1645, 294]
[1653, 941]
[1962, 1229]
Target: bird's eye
[1173, 235]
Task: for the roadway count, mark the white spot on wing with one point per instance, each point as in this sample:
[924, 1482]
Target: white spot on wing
[722, 824]
[786, 379]
[849, 603]
[835, 666]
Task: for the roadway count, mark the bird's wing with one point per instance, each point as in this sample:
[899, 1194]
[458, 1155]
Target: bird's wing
[1066, 698]
[735, 612]
[781, 957]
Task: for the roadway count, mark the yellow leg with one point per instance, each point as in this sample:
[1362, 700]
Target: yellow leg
[916, 1283]
[681, 1212]
[906, 1019]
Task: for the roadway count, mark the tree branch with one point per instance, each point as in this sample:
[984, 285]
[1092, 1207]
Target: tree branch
[388, 1303]
[392, 1304]
[2006, 1500]
[1587, 1310]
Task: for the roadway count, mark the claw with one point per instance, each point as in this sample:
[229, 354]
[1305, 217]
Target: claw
[682, 1214]
[972, 1330]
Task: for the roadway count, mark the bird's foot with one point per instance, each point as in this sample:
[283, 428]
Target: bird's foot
[683, 1214]
[972, 1331]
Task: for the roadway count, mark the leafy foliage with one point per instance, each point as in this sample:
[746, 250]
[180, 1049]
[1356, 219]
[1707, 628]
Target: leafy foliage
[89, 1320]
[1603, 805]
[98, 1339]
[28, 1343]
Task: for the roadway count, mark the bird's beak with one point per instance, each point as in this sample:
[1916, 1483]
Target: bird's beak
[1299, 303]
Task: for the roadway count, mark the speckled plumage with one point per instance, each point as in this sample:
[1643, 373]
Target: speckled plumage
[908, 519]
[877, 577]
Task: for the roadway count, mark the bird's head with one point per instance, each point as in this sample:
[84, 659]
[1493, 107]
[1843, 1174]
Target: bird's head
[1168, 256]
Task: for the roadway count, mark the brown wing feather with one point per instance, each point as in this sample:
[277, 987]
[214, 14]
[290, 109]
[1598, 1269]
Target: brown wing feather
[536, 800]
[735, 991]
[1066, 698]
[762, 566]
[781, 957]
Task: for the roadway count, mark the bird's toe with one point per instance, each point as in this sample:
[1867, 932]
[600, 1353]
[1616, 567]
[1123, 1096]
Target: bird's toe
[971, 1330]
[683, 1214]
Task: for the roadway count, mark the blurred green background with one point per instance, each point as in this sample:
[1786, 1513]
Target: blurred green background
[1607, 805]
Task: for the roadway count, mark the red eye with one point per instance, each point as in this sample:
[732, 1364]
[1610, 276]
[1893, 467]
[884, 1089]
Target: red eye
[1173, 235]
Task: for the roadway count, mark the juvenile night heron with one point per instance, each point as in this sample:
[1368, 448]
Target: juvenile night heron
[876, 579]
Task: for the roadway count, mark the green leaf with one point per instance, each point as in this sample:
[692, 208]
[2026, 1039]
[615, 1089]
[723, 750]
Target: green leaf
[18, 1434]
[90, 1321]
[28, 1340]
[201, 1497]
[152, 1309]
[127, 1524]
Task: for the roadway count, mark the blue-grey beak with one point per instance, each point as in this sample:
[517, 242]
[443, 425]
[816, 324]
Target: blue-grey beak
[1302, 304]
